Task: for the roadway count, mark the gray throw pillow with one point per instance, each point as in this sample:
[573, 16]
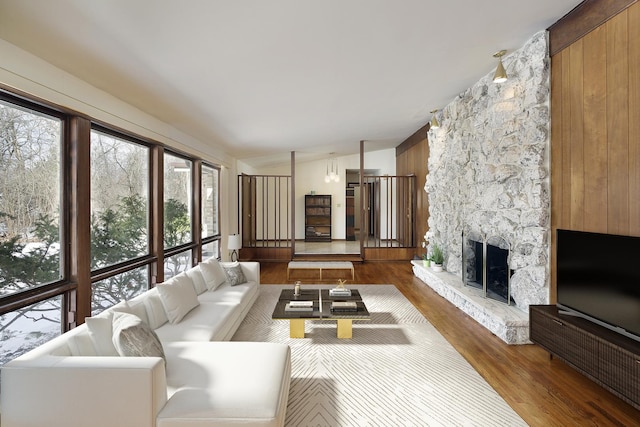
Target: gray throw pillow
[234, 273]
[133, 337]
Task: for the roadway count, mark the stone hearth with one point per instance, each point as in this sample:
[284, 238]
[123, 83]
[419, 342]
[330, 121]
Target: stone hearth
[508, 323]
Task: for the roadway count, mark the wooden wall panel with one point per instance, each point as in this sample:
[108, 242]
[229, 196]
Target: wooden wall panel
[595, 131]
[412, 157]
[634, 121]
[576, 100]
[618, 124]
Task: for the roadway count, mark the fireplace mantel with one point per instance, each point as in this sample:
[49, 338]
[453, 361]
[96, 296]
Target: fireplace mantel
[508, 323]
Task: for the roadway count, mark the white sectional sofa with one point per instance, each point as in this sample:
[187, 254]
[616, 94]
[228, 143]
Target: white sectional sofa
[200, 379]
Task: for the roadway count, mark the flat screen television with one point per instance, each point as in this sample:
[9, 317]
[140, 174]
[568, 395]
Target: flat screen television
[598, 277]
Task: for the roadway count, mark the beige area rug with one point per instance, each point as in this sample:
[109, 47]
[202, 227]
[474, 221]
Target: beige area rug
[397, 370]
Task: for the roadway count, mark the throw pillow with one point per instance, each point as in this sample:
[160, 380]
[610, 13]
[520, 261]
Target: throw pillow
[133, 337]
[197, 280]
[234, 273]
[178, 297]
[100, 331]
[155, 310]
[213, 273]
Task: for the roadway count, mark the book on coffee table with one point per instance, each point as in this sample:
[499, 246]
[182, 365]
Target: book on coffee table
[344, 306]
[301, 303]
[290, 307]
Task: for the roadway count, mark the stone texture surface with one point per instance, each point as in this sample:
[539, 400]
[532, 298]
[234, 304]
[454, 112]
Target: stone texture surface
[508, 323]
[489, 170]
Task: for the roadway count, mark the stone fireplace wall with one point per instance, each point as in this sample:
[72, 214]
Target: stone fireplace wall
[489, 170]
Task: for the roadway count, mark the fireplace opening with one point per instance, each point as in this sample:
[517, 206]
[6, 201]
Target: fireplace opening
[486, 267]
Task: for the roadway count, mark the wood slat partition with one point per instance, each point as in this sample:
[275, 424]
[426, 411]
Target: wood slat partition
[595, 130]
[412, 157]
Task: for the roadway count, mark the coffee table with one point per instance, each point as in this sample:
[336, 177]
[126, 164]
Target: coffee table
[321, 311]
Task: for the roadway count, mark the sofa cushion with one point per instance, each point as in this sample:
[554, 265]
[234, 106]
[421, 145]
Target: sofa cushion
[208, 322]
[178, 297]
[226, 383]
[197, 280]
[133, 337]
[213, 273]
[234, 273]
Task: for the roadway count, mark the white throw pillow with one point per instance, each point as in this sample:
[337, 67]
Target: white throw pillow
[137, 308]
[197, 280]
[100, 331]
[178, 297]
[155, 310]
[213, 273]
[133, 337]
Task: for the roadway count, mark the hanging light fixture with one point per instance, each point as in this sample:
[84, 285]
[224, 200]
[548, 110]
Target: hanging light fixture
[501, 74]
[333, 175]
[327, 177]
[434, 121]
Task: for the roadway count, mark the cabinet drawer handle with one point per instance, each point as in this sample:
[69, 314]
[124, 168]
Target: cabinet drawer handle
[558, 322]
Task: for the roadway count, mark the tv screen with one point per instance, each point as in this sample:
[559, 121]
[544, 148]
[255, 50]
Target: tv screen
[598, 276]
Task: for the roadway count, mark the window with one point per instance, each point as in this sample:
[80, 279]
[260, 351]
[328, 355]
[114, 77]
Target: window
[119, 200]
[209, 202]
[25, 329]
[30, 226]
[176, 264]
[124, 286]
[177, 201]
[30, 208]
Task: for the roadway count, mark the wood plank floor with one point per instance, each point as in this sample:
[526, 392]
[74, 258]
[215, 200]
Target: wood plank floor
[543, 392]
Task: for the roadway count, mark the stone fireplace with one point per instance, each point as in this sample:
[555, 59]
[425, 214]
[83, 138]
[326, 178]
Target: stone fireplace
[485, 266]
[489, 174]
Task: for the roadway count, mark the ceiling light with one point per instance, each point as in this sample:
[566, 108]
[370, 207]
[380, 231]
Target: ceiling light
[434, 121]
[333, 175]
[501, 75]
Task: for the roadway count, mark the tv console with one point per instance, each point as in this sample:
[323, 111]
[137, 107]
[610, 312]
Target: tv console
[606, 357]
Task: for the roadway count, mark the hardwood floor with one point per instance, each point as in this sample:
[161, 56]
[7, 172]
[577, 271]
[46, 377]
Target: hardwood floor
[543, 392]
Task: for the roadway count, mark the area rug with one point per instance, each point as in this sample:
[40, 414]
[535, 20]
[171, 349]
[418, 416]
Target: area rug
[397, 370]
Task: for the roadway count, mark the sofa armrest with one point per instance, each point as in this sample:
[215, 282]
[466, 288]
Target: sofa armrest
[83, 391]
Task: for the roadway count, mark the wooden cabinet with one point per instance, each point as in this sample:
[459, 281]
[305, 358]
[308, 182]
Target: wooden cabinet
[317, 218]
[608, 358]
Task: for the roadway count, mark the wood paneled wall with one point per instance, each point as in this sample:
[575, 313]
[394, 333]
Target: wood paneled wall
[595, 131]
[411, 158]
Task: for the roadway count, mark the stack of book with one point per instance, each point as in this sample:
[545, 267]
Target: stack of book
[339, 292]
[299, 306]
[344, 306]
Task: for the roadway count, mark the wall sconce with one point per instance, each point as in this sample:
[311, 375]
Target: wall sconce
[234, 244]
[434, 121]
[501, 75]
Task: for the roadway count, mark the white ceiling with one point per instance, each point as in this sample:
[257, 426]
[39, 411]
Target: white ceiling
[259, 79]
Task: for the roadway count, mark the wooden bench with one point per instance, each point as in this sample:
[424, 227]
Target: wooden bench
[321, 266]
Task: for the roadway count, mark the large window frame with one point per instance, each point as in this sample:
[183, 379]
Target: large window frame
[215, 237]
[75, 284]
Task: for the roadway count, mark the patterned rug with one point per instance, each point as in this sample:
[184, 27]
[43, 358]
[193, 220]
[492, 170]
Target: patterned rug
[397, 370]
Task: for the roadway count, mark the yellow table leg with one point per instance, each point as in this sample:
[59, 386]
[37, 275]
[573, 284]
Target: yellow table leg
[344, 328]
[296, 328]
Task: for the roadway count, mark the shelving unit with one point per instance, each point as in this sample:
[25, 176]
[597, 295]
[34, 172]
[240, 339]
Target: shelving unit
[317, 218]
[608, 358]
